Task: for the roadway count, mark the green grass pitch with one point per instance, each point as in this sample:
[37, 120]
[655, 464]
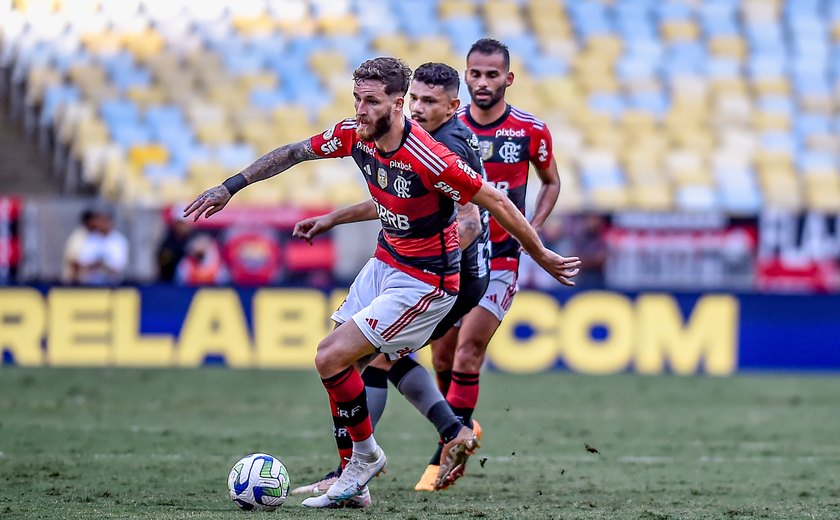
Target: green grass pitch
[151, 444]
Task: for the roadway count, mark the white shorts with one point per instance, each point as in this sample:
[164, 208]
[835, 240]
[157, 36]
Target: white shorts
[500, 292]
[396, 312]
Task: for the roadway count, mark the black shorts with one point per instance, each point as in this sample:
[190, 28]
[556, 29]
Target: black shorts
[471, 291]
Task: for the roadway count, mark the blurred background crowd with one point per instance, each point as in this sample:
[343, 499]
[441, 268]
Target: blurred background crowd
[697, 141]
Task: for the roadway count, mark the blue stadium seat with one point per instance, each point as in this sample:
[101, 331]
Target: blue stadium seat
[236, 156]
[609, 104]
[267, 98]
[119, 112]
[54, 97]
[127, 134]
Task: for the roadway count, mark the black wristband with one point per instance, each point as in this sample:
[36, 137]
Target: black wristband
[235, 183]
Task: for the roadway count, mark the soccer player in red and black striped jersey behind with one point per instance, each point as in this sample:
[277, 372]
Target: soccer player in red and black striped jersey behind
[413, 279]
[509, 140]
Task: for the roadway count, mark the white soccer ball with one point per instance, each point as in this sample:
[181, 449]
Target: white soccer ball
[258, 482]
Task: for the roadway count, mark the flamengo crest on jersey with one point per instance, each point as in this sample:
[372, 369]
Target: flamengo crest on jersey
[507, 146]
[414, 190]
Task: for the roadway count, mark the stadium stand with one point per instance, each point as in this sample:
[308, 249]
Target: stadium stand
[656, 105]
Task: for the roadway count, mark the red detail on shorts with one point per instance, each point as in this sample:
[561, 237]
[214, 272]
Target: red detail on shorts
[408, 316]
[451, 282]
[504, 264]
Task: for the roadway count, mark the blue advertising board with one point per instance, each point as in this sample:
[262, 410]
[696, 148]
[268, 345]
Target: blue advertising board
[594, 332]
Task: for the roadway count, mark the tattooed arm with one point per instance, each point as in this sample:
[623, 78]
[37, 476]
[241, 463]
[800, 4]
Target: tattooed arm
[273, 163]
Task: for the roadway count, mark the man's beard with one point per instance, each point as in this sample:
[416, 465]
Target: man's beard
[488, 103]
[380, 127]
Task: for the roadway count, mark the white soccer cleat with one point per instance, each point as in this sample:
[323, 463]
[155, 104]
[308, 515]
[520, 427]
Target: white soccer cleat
[359, 501]
[321, 486]
[356, 475]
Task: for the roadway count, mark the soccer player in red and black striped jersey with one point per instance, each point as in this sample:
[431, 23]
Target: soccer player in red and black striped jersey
[413, 279]
[510, 140]
[433, 102]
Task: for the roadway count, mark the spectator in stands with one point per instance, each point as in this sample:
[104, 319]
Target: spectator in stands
[202, 264]
[173, 248]
[96, 254]
[589, 239]
[72, 248]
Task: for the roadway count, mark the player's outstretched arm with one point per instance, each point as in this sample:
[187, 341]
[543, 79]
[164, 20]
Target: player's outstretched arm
[469, 224]
[547, 196]
[509, 217]
[309, 228]
[273, 163]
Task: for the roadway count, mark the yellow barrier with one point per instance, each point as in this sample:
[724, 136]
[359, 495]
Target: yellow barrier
[101, 327]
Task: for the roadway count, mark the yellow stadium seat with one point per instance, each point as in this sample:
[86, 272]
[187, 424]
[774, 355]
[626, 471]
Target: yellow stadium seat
[827, 142]
[144, 45]
[142, 155]
[771, 86]
[250, 26]
[821, 103]
[679, 30]
[38, 79]
[432, 46]
[106, 42]
[147, 96]
[228, 96]
[728, 47]
[609, 199]
[822, 193]
[214, 134]
[328, 63]
[392, 45]
[652, 197]
[90, 132]
[456, 9]
[607, 46]
[346, 25]
[769, 121]
[203, 172]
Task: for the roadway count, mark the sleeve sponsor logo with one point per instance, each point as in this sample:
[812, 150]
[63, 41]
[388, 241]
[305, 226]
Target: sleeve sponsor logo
[466, 169]
[331, 146]
[543, 151]
[449, 190]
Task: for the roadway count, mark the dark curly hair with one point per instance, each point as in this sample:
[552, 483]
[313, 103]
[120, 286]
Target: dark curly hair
[490, 46]
[435, 74]
[393, 72]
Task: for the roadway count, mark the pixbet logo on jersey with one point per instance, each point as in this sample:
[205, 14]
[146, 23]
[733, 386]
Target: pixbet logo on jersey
[510, 132]
[400, 166]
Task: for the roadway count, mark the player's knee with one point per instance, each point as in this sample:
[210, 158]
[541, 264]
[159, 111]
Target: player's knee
[323, 361]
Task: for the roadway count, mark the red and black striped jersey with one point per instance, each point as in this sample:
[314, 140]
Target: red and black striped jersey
[414, 189]
[507, 146]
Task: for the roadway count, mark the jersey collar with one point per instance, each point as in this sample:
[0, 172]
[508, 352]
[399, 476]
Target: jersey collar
[489, 125]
